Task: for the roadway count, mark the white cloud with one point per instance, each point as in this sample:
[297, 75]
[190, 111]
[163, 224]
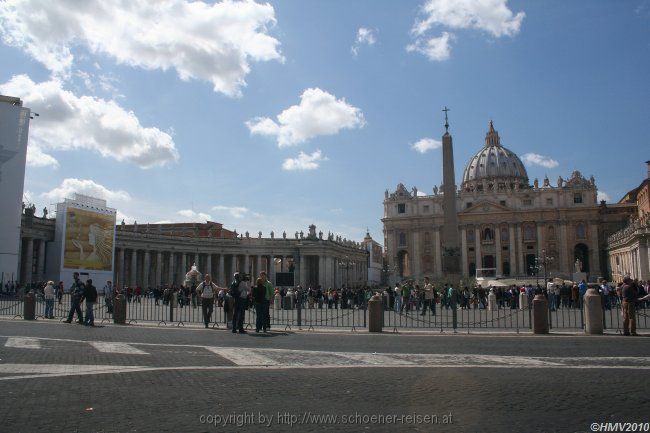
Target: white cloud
[189, 215]
[304, 161]
[89, 187]
[425, 144]
[70, 122]
[492, 16]
[233, 211]
[365, 36]
[536, 159]
[37, 158]
[602, 195]
[319, 113]
[211, 42]
[435, 49]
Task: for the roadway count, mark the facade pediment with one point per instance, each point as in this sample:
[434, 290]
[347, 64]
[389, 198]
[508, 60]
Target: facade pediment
[484, 207]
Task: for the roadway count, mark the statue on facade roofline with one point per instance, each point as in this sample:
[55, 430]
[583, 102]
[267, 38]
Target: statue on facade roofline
[272, 235]
[560, 181]
[259, 235]
[435, 190]
[284, 235]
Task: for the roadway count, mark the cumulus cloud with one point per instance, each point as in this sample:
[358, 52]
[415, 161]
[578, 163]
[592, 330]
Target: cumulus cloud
[602, 195]
[319, 113]
[536, 159]
[491, 16]
[436, 49]
[304, 161]
[199, 40]
[365, 36]
[425, 144]
[70, 122]
[37, 158]
[233, 211]
[69, 186]
[188, 215]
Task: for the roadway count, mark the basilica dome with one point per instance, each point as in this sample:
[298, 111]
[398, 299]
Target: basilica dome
[494, 164]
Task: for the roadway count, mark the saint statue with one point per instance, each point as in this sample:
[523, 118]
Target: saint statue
[578, 265]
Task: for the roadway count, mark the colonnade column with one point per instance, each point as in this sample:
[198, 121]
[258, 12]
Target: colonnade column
[41, 259]
[321, 270]
[170, 281]
[258, 265]
[181, 274]
[146, 269]
[29, 260]
[158, 268]
[208, 265]
[121, 263]
[134, 268]
[272, 269]
[221, 269]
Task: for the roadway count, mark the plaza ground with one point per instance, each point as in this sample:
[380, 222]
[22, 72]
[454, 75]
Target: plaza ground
[60, 377]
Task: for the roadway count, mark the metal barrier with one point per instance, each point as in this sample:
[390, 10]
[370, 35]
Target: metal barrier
[290, 314]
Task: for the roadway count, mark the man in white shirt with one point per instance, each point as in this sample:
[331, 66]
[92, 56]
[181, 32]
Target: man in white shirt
[550, 290]
[605, 290]
[398, 298]
[429, 301]
[207, 289]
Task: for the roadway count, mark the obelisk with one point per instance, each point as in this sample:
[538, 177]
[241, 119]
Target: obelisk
[451, 257]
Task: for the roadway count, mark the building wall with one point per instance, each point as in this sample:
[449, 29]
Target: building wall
[14, 129]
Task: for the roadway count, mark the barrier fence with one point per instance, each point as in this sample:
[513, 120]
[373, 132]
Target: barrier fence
[289, 313]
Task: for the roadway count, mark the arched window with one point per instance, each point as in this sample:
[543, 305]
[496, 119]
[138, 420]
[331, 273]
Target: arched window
[470, 235]
[402, 239]
[529, 233]
[504, 234]
[551, 232]
[427, 238]
[581, 231]
[488, 235]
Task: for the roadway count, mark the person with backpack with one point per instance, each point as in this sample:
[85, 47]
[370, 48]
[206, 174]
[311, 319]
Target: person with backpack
[76, 295]
[207, 290]
[259, 298]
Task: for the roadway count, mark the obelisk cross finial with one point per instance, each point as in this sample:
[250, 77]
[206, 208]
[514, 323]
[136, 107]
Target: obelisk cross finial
[446, 120]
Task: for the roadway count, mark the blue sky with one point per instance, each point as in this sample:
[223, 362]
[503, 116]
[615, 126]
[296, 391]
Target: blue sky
[271, 116]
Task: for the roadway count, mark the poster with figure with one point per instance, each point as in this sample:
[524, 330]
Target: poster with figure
[88, 240]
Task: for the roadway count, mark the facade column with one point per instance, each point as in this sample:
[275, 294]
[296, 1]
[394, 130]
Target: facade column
[134, 269]
[562, 248]
[594, 268]
[540, 240]
[497, 249]
[41, 260]
[417, 258]
[158, 277]
[145, 269]
[29, 261]
[520, 248]
[463, 251]
[512, 250]
[477, 247]
[437, 261]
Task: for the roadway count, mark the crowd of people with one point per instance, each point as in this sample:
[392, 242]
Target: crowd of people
[406, 297]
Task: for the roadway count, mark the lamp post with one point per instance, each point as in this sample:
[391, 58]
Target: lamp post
[345, 264]
[544, 260]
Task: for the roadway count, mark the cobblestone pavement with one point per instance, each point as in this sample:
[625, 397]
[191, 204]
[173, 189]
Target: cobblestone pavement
[60, 377]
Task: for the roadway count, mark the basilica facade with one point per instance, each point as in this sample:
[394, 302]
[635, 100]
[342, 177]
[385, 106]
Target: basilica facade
[507, 226]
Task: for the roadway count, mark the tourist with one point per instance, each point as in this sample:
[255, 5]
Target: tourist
[428, 297]
[259, 297]
[48, 292]
[398, 298]
[239, 290]
[207, 290]
[108, 297]
[582, 290]
[550, 289]
[59, 292]
[76, 294]
[90, 295]
[629, 294]
[268, 296]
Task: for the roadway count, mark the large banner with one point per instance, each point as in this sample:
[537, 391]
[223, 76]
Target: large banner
[88, 240]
